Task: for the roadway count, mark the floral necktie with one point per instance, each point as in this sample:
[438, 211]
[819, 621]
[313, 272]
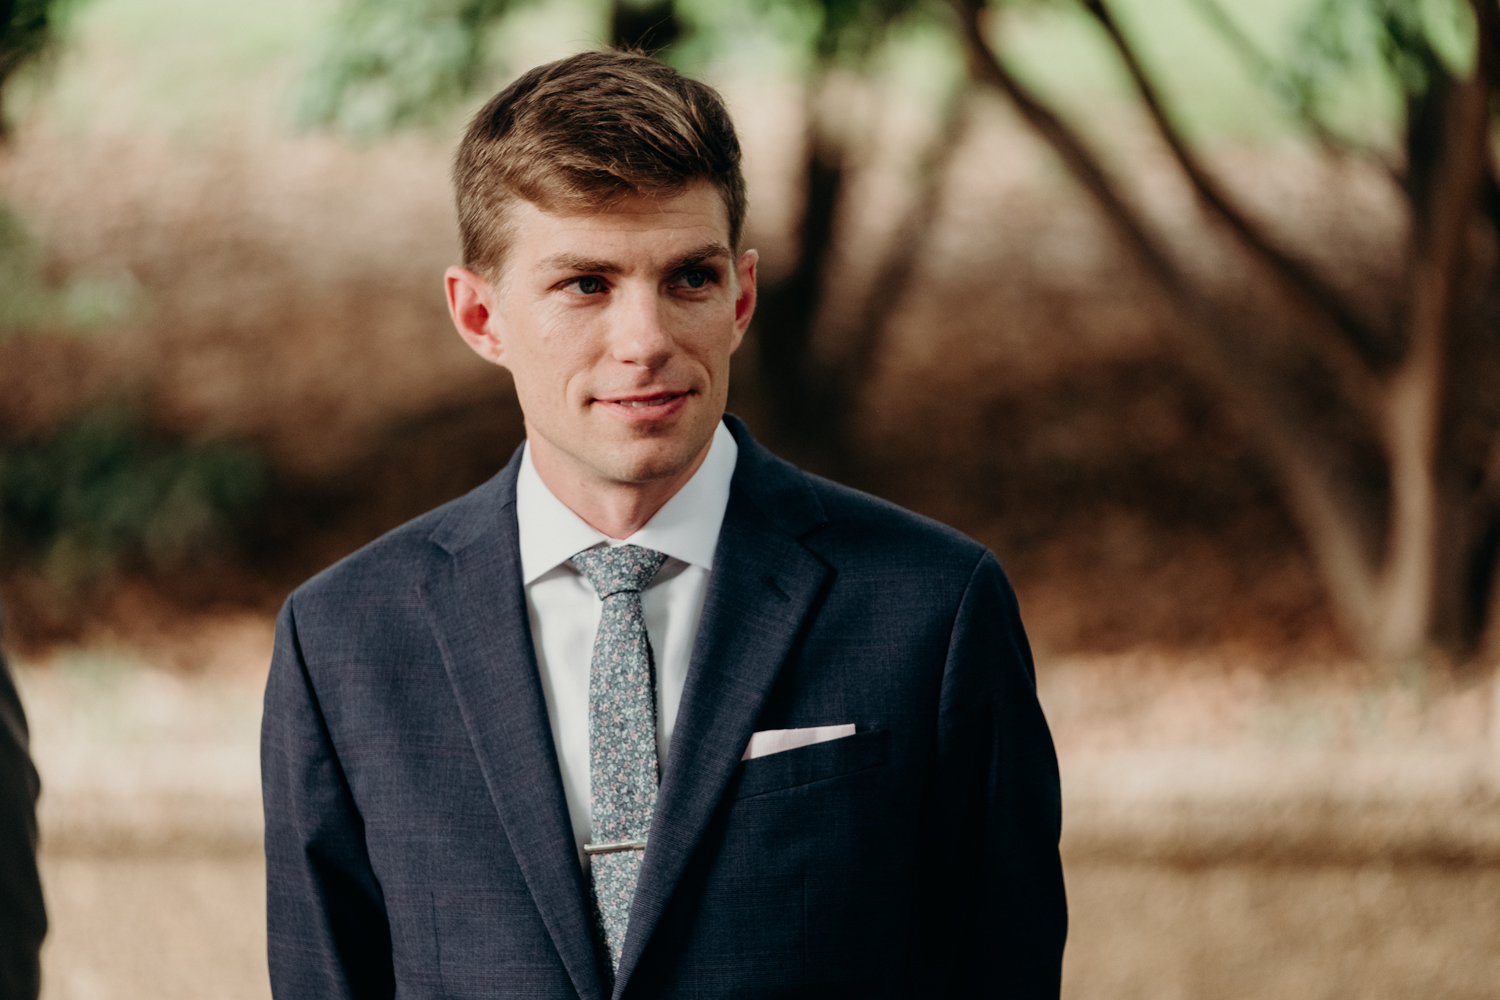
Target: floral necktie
[622, 734]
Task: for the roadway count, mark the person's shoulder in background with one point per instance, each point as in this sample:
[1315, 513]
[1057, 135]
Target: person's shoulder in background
[23, 921]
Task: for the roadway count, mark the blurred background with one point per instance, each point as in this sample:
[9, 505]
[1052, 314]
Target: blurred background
[1187, 308]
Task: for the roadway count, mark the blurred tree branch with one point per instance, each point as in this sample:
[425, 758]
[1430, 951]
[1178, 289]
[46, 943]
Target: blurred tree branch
[645, 25]
[392, 63]
[1354, 417]
[1401, 577]
[813, 400]
[1342, 354]
[909, 243]
[1294, 90]
[29, 30]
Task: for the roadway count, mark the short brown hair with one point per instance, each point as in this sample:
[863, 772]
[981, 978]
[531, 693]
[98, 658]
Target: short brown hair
[584, 132]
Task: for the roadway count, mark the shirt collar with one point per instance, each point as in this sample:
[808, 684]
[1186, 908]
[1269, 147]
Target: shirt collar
[686, 527]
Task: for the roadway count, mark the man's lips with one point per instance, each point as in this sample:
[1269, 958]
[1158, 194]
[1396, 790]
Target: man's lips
[645, 401]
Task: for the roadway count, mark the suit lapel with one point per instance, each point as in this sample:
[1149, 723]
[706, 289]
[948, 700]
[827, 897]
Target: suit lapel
[476, 605]
[763, 585]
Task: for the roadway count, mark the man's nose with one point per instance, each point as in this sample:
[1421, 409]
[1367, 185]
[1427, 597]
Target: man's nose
[639, 334]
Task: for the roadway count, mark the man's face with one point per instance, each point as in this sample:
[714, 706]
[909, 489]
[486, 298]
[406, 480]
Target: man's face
[617, 327]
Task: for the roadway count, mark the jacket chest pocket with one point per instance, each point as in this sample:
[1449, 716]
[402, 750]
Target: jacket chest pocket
[805, 765]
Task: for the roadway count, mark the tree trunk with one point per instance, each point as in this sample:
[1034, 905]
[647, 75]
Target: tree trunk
[1383, 589]
[787, 313]
[644, 25]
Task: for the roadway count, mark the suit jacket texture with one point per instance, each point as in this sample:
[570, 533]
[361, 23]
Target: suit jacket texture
[23, 921]
[417, 838]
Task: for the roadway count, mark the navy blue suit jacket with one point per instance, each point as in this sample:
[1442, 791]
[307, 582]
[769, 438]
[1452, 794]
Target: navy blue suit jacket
[417, 838]
[23, 919]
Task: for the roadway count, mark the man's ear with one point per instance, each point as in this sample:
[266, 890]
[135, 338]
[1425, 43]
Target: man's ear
[744, 303]
[471, 304]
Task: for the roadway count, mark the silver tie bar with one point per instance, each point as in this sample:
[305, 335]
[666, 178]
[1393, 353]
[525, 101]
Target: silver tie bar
[619, 845]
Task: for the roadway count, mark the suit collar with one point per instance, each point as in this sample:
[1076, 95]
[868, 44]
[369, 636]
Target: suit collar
[780, 491]
[476, 607]
[763, 586]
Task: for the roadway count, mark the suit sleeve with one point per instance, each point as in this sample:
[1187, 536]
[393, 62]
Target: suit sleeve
[327, 935]
[999, 909]
[23, 921]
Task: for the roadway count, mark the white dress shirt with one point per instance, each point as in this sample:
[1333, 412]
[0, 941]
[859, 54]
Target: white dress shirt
[564, 609]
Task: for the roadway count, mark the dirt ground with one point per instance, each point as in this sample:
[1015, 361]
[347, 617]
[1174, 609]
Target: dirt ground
[1230, 831]
[1159, 932]
[168, 926]
[190, 928]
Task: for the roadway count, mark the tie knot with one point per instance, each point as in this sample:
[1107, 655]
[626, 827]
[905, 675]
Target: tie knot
[618, 569]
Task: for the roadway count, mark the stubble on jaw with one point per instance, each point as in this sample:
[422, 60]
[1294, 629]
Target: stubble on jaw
[662, 462]
[624, 498]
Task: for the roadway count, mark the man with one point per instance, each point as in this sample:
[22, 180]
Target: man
[23, 922]
[651, 713]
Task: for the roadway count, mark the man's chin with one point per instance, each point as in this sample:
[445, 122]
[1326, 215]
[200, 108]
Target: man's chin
[651, 467]
[643, 460]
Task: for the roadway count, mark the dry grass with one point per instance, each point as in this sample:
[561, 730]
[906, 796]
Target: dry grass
[174, 928]
[1230, 831]
[157, 927]
[1316, 932]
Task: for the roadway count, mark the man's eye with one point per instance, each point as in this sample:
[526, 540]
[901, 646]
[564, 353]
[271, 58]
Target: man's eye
[587, 285]
[697, 277]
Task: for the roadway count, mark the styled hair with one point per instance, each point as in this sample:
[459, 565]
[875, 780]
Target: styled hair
[583, 133]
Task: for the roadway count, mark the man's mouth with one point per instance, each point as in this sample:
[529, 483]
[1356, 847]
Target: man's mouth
[646, 402]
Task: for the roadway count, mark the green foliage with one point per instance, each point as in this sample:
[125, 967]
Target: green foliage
[390, 63]
[101, 493]
[1411, 39]
[29, 29]
[20, 275]
[849, 31]
[86, 303]
[1351, 62]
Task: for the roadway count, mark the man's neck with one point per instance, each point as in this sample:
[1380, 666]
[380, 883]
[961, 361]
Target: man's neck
[616, 509]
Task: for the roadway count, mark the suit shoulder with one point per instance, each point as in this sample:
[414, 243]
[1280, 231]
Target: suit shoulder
[863, 511]
[887, 531]
[839, 519]
[893, 565]
[830, 516]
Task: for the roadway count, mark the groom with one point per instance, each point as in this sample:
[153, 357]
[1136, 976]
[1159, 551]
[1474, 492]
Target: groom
[651, 713]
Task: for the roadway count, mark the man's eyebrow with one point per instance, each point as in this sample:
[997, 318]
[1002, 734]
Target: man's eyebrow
[576, 262]
[591, 265]
[705, 253]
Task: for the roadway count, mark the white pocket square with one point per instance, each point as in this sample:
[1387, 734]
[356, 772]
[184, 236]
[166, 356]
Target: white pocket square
[771, 741]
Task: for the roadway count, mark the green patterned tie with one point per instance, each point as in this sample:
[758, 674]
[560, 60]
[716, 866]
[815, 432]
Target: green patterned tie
[622, 734]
